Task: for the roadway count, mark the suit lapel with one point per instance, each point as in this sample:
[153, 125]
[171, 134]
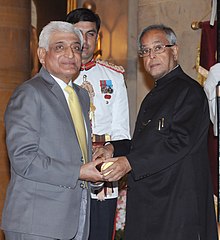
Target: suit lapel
[54, 87]
[57, 91]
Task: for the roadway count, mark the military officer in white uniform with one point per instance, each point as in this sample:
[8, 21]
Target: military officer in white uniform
[109, 102]
[109, 113]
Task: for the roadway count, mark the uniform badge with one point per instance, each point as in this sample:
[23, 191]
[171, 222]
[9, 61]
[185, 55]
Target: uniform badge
[106, 89]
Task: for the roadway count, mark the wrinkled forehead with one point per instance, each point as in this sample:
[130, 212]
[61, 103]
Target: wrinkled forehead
[69, 37]
[153, 37]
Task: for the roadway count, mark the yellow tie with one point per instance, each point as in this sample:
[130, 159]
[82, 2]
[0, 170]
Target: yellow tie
[77, 116]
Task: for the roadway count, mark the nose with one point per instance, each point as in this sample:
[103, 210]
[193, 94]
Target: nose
[152, 53]
[69, 52]
[84, 38]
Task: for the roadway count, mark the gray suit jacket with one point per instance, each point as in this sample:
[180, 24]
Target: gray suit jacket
[44, 192]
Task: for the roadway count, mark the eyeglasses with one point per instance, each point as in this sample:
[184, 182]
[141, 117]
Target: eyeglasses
[157, 49]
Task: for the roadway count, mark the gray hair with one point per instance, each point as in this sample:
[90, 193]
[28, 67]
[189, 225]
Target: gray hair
[57, 26]
[170, 34]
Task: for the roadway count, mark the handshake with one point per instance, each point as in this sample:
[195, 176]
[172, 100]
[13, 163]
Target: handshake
[111, 169]
[104, 167]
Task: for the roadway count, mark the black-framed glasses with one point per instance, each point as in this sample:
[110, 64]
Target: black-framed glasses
[157, 49]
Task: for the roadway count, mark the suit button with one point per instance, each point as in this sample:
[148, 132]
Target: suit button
[81, 185]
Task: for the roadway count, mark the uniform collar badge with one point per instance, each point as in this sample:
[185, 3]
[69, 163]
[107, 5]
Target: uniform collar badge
[88, 65]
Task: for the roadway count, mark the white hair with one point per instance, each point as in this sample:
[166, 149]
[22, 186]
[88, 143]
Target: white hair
[57, 26]
[170, 34]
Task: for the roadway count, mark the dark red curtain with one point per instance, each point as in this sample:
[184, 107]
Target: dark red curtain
[207, 59]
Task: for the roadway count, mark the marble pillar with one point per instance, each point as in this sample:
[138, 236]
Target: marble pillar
[14, 68]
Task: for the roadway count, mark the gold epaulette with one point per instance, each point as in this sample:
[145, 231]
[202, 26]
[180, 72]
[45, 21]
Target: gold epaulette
[112, 66]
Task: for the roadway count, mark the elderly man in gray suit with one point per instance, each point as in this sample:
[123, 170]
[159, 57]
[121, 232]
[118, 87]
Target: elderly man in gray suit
[48, 194]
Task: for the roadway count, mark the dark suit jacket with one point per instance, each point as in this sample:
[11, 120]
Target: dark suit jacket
[169, 189]
[44, 193]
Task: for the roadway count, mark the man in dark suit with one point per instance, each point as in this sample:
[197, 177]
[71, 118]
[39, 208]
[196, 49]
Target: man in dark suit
[48, 194]
[169, 186]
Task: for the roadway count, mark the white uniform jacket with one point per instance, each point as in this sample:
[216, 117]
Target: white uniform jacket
[210, 90]
[106, 86]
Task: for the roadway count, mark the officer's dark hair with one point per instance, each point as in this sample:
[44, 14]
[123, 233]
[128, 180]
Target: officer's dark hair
[83, 14]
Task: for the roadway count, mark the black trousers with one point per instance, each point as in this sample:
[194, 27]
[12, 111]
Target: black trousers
[102, 218]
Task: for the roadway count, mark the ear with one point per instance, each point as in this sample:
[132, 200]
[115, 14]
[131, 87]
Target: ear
[175, 50]
[41, 53]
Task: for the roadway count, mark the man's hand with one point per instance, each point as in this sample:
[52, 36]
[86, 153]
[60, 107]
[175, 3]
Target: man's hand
[103, 151]
[89, 172]
[117, 170]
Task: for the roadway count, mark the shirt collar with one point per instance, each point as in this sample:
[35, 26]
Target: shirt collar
[61, 83]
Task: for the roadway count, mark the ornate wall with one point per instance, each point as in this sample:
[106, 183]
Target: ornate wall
[14, 68]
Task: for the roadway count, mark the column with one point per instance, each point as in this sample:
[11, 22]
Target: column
[14, 68]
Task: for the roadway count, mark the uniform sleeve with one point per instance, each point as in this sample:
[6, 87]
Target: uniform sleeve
[120, 111]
